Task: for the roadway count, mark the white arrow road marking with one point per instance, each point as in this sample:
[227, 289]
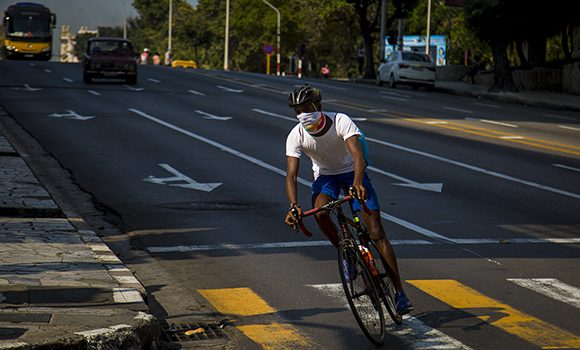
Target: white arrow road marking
[434, 187]
[71, 115]
[211, 116]
[476, 169]
[458, 110]
[552, 288]
[186, 182]
[229, 89]
[27, 88]
[566, 167]
[415, 333]
[196, 92]
[133, 88]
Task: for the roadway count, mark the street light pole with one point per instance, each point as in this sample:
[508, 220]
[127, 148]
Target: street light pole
[124, 20]
[227, 35]
[170, 23]
[383, 29]
[428, 43]
[277, 37]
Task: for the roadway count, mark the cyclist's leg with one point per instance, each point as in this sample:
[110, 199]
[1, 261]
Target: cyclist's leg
[324, 189]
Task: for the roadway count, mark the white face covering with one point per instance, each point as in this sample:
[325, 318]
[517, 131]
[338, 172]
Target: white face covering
[313, 122]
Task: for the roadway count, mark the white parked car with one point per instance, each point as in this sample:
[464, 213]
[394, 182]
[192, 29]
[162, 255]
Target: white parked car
[407, 67]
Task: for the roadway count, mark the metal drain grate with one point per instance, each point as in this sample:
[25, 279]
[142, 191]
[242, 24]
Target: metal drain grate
[211, 332]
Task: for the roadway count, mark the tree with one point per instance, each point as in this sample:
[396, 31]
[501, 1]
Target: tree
[368, 12]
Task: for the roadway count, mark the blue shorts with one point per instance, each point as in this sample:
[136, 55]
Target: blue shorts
[331, 185]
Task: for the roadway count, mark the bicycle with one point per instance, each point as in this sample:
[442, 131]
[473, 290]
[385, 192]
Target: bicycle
[367, 285]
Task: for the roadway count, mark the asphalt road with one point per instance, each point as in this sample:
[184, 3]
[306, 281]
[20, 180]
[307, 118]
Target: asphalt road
[480, 198]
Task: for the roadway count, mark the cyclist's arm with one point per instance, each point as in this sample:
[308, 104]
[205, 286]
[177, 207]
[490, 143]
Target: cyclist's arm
[292, 217]
[355, 149]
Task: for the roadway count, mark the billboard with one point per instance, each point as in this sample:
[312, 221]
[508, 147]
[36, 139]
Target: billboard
[437, 49]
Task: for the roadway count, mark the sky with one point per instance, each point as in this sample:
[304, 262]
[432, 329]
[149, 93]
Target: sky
[91, 13]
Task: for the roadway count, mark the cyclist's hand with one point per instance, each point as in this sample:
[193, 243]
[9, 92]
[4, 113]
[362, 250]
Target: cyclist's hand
[359, 192]
[293, 216]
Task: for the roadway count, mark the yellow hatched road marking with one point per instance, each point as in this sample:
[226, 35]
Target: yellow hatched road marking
[503, 316]
[244, 302]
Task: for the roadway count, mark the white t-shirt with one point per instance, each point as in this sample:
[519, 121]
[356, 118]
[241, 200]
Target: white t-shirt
[329, 153]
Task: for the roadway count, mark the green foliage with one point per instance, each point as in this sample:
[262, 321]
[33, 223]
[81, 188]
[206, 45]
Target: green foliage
[81, 44]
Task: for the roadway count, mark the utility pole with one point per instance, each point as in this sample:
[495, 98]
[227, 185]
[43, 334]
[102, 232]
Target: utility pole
[428, 40]
[227, 35]
[277, 38]
[383, 29]
[170, 22]
[124, 20]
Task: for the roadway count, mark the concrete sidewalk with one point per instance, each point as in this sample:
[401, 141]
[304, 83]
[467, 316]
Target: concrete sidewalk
[61, 287]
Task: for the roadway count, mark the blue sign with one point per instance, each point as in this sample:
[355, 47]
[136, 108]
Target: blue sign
[437, 50]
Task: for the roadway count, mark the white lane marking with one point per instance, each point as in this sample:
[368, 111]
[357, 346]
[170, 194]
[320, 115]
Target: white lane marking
[196, 92]
[211, 116]
[133, 88]
[566, 167]
[515, 240]
[27, 88]
[568, 127]
[274, 169]
[434, 187]
[558, 116]
[68, 80]
[458, 110]
[394, 94]
[93, 92]
[48, 70]
[477, 169]
[301, 244]
[182, 180]
[154, 80]
[396, 98]
[227, 89]
[274, 245]
[127, 295]
[436, 122]
[415, 333]
[486, 105]
[512, 137]
[498, 123]
[275, 115]
[492, 122]
[552, 288]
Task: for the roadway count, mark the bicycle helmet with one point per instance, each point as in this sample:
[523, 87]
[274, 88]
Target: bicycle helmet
[304, 94]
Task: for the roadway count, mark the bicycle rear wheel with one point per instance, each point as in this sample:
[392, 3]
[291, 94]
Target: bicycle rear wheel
[362, 293]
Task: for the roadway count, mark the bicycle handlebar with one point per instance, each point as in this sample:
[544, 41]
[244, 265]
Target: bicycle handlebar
[327, 206]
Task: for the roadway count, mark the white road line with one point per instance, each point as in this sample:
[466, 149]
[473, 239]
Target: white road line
[552, 288]
[196, 92]
[68, 80]
[275, 115]
[48, 70]
[487, 105]
[458, 110]
[498, 123]
[274, 245]
[558, 116]
[93, 92]
[394, 94]
[566, 167]
[477, 169]
[568, 128]
[211, 116]
[415, 333]
[436, 122]
[396, 98]
[154, 80]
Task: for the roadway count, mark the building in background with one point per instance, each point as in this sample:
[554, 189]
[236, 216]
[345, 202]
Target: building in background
[68, 42]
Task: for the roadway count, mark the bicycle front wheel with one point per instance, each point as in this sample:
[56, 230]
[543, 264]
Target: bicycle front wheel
[362, 293]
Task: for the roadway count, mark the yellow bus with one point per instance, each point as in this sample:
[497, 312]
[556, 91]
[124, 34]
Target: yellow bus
[27, 32]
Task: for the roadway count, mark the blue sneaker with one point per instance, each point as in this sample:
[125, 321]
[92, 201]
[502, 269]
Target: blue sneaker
[404, 305]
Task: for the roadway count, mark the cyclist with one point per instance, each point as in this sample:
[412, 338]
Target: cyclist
[331, 140]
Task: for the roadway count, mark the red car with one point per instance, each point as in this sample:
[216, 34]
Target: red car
[110, 58]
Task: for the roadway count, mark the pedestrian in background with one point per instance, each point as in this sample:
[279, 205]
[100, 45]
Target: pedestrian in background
[325, 71]
[144, 59]
[156, 59]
